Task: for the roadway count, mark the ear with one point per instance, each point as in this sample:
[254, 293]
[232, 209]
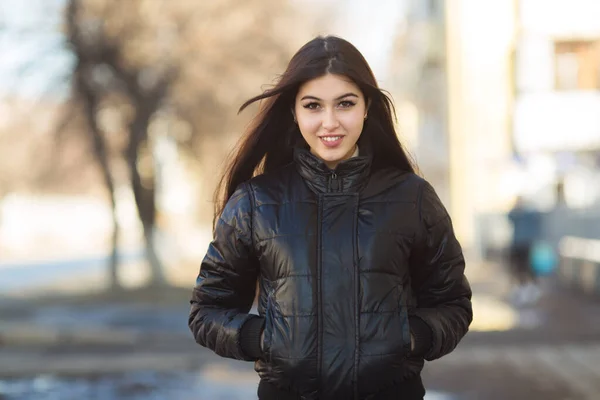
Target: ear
[367, 108]
[294, 115]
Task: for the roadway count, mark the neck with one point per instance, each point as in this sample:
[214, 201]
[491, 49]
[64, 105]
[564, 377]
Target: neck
[352, 175]
[334, 164]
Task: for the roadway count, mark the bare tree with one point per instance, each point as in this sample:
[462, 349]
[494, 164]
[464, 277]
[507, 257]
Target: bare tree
[95, 52]
[198, 59]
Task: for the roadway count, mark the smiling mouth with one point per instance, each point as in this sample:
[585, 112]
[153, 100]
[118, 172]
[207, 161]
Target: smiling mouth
[332, 142]
[331, 138]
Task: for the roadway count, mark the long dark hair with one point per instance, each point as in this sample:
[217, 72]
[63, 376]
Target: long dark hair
[269, 141]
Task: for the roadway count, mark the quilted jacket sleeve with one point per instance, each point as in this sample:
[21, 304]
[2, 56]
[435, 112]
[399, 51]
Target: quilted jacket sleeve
[226, 284]
[437, 268]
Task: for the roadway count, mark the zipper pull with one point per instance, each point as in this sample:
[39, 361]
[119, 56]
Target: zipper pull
[334, 182]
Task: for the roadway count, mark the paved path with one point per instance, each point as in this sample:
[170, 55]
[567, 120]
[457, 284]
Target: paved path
[137, 350]
[218, 380]
[563, 371]
[567, 371]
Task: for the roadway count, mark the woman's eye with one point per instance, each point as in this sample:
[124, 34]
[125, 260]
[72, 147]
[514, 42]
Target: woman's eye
[346, 104]
[311, 106]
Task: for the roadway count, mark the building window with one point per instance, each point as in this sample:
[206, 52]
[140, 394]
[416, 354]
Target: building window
[577, 65]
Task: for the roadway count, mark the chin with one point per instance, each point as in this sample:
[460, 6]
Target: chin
[329, 157]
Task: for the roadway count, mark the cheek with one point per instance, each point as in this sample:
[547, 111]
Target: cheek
[308, 125]
[353, 124]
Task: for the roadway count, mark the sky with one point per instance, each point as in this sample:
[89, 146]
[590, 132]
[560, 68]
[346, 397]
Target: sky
[34, 61]
[371, 26]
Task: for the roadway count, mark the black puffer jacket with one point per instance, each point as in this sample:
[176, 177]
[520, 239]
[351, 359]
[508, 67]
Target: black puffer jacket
[349, 264]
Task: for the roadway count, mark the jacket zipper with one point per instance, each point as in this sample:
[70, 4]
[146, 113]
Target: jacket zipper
[319, 295]
[356, 301]
[334, 183]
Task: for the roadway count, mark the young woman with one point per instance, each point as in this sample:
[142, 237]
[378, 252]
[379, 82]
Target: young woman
[360, 276]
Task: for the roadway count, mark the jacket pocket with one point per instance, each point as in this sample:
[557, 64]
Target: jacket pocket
[406, 332]
[268, 331]
[403, 313]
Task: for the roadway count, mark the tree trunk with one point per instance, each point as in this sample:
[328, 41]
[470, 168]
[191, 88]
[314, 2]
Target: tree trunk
[90, 103]
[113, 266]
[144, 194]
[156, 267]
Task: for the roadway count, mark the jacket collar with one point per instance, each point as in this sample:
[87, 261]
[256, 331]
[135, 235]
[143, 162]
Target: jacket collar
[349, 176]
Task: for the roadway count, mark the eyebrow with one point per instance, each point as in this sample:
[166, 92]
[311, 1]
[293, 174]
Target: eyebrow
[337, 98]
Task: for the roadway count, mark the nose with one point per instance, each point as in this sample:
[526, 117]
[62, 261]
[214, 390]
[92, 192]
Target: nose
[330, 120]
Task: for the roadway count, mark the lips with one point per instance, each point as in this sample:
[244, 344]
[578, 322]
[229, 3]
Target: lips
[331, 141]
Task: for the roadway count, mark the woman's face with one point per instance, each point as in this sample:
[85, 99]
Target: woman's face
[330, 111]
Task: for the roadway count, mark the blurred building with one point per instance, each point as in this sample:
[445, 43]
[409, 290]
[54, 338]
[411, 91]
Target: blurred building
[556, 128]
[499, 99]
[418, 81]
[557, 106]
[453, 76]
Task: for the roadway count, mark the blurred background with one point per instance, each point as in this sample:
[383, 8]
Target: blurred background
[115, 120]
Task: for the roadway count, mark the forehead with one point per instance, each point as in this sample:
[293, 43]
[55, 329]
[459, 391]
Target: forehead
[329, 86]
